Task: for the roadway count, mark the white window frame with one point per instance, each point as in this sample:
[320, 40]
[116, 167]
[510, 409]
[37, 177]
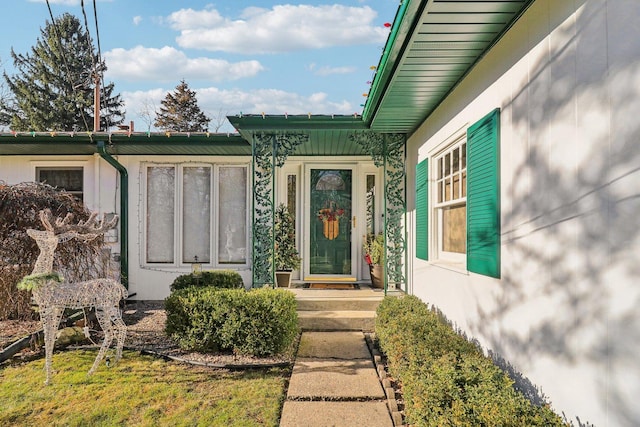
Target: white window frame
[458, 140]
[215, 184]
[37, 166]
[179, 215]
[143, 226]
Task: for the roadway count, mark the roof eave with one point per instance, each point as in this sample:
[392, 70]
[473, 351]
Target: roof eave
[138, 143]
[407, 17]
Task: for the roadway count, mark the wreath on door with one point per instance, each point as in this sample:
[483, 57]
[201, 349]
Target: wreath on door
[330, 216]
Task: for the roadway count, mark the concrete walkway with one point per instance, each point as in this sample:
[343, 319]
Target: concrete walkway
[334, 384]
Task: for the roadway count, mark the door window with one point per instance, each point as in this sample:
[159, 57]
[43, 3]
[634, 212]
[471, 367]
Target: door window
[330, 213]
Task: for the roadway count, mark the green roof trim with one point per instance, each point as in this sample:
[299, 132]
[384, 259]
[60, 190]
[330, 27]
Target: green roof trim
[123, 143]
[432, 47]
[389, 55]
[298, 122]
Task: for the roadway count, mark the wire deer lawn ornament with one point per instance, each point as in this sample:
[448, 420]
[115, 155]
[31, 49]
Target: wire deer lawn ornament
[53, 295]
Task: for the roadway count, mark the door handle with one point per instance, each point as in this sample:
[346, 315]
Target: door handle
[354, 221]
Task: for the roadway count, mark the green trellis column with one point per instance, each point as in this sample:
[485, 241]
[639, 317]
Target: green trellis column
[395, 190]
[269, 151]
[388, 151]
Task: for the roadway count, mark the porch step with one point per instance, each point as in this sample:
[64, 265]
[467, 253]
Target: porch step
[342, 310]
[338, 304]
[344, 320]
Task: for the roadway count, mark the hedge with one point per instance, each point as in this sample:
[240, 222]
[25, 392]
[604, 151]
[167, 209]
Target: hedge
[259, 322]
[223, 279]
[447, 380]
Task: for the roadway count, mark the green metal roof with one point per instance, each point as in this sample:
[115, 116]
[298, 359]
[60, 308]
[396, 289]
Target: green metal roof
[122, 143]
[328, 134]
[433, 44]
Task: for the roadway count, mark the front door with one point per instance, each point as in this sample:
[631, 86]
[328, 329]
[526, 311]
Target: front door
[330, 213]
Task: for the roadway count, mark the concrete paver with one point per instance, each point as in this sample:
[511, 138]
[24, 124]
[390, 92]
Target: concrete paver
[322, 379]
[334, 384]
[333, 345]
[335, 414]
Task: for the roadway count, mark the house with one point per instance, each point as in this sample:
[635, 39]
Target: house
[498, 151]
[524, 187]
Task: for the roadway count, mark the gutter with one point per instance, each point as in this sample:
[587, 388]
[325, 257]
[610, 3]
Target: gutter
[124, 212]
[374, 92]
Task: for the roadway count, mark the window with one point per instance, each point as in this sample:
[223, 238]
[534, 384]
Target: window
[69, 179]
[196, 214]
[161, 194]
[466, 200]
[292, 195]
[370, 204]
[232, 209]
[451, 201]
[185, 204]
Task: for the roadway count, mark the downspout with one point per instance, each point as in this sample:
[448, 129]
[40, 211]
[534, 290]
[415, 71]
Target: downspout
[124, 212]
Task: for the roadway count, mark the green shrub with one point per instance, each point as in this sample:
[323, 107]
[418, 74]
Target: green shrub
[195, 316]
[222, 279]
[430, 336]
[259, 322]
[447, 380]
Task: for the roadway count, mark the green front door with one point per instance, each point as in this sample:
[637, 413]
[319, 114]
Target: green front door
[330, 221]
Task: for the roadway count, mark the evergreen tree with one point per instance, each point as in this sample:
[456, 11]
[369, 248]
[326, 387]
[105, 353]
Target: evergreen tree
[180, 112]
[53, 88]
[286, 254]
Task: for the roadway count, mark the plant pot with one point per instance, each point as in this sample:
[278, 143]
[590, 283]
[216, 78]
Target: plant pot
[283, 278]
[377, 276]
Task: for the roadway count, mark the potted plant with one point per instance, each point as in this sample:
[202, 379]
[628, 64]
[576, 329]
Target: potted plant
[373, 249]
[286, 255]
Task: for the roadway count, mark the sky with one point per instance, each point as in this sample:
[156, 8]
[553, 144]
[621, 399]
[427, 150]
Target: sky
[240, 56]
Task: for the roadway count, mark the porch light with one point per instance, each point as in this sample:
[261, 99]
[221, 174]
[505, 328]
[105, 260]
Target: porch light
[196, 267]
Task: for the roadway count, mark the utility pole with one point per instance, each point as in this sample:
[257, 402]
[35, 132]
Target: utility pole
[96, 103]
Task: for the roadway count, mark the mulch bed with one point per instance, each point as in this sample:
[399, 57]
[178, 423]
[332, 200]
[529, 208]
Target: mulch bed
[145, 322]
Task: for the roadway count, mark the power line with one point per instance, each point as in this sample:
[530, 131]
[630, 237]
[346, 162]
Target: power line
[95, 17]
[86, 25]
[94, 73]
[66, 64]
[104, 89]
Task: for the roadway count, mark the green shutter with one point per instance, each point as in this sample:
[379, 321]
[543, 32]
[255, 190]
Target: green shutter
[483, 196]
[422, 210]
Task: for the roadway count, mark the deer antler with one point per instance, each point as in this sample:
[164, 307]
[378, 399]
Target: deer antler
[93, 226]
[90, 227]
[60, 225]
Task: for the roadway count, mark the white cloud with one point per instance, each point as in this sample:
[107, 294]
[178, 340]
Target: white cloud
[137, 20]
[283, 28]
[213, 101]
[270, 101]
[188, 19]
[326, 71]
[171, 64]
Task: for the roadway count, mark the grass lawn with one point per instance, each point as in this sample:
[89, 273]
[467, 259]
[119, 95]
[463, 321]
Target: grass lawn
[138, 390]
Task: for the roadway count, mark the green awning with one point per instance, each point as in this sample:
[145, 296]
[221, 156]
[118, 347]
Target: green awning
[328, 134]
